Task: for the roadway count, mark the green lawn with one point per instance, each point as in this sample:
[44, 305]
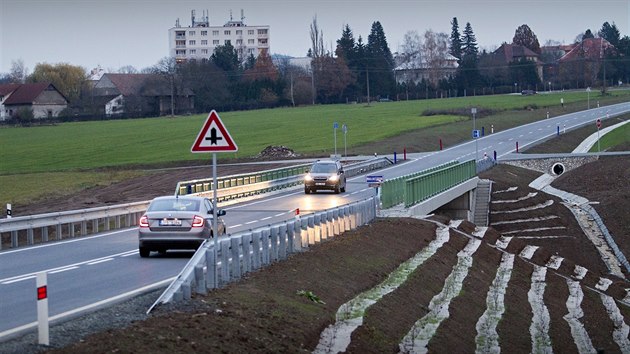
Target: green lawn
[57, 160]
[616, 137]
[89, 145]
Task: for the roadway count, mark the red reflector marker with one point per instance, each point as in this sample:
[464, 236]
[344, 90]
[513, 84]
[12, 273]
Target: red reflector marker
[42, 293]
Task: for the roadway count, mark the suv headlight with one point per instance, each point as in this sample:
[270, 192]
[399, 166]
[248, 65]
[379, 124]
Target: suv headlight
[308, 178]
[333, 178]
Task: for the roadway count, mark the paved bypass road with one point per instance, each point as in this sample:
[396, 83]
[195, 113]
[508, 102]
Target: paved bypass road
[86, 273]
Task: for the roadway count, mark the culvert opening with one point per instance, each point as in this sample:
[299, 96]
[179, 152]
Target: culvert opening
[557, 169]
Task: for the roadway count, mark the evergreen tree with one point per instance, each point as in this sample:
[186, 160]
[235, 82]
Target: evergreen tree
[455, 40]
[226, 58]
[525, 37]
[380, 63]
[346, 45]
[610, 33]
[468, 72]
[588, 34]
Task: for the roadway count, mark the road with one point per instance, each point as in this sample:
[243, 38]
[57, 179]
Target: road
[92, 272]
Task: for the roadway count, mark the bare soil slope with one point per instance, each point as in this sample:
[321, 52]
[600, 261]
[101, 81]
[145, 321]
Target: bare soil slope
[264, 313]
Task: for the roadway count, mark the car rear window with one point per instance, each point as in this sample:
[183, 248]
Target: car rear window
[174, 205]
[324, 168]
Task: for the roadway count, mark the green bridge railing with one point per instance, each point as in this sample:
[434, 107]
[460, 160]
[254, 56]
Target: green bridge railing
[414, 188]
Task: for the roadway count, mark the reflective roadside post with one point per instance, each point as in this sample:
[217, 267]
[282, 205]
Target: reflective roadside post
[599, 125]
[588, 100]
[344, 129]
[335, 126]
[475, 133]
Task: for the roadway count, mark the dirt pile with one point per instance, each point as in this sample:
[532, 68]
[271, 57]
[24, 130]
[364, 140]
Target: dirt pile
[276, 152]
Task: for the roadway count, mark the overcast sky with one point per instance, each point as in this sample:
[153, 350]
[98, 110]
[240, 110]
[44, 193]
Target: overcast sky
[115, 33]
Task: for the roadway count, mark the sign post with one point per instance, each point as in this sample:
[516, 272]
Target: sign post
[214, 137]
[9, 213]
[599, 125]
[475, 132]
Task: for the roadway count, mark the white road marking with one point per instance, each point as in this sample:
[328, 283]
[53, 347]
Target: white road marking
[266, 218]
[101, 261]
[63, 270]
[251, 222]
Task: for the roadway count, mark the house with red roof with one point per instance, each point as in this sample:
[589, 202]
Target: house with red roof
[508, 53]
[141, 95]
[583, 63]
[42, 98]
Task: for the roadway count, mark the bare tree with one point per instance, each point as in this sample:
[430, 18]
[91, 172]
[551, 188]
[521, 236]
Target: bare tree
[411, 48]
[435, 52]
[127, 69]
[18, 72]
[167, 67]
[317, 40]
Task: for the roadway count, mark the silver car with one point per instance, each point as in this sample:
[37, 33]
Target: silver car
[177, 222]
[325, 174]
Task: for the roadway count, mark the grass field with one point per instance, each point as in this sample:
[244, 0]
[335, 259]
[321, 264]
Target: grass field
[613, 138]
[40, 160]
[89, 145]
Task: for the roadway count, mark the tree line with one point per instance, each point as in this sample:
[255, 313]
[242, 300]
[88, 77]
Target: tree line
[357, 71]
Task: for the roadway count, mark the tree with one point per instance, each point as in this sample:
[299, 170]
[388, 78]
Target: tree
[587, 34]
[455, 40]
[317, 39]
[380, 62]
[209, 83]
[525, 37]
[411, 48]
[226, 58]
[18, 72]
[68, 79]
[263, 69]
[345, 45]
[167, 67]
[434, 53]
[610, 33]
[127, 69]
[468, 71]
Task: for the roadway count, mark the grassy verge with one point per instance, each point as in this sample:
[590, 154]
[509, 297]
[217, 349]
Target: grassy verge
[614, 138]
[24, 189]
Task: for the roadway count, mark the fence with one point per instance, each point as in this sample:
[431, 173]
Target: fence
[248, 251]
[427, 185]
[393, 190]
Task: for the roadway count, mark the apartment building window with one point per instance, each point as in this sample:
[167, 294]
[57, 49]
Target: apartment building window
[262, 31]
[250, 32]
[193, 51]
[204, 42]
[239, 32]
[180, 43]
[250, 41]
[215, 33]
[227, 41]
[215, 41]
[239, 41]
[204, 51]
[191, 33]
[180, 34]
[180, 52]
[192, 42]
[250, 50]
[227, 33]
[204, 33]
[262, 41]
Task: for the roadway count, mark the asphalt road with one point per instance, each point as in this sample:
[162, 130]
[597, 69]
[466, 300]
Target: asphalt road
[92, 272]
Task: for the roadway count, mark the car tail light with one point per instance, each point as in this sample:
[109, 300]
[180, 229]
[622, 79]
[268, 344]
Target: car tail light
[144, 221]
[198, 221]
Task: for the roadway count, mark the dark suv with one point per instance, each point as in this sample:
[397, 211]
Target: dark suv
[326, 174]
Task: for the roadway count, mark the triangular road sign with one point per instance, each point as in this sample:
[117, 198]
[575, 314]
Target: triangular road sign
[213, 137]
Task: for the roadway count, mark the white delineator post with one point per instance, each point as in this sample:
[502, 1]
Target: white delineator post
[42, 308]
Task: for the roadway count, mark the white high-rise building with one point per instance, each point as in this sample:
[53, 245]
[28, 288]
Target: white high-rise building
[198, 41]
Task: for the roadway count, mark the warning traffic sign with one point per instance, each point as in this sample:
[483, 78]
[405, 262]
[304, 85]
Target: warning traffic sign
[213, 137]
[598, 122]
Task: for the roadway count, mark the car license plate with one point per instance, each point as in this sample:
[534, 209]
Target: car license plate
[320, 184]
[170, 222]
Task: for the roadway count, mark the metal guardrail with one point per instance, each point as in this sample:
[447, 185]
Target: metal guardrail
[205, 184]
[427, 185]
[244, 252]
[32, 229]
